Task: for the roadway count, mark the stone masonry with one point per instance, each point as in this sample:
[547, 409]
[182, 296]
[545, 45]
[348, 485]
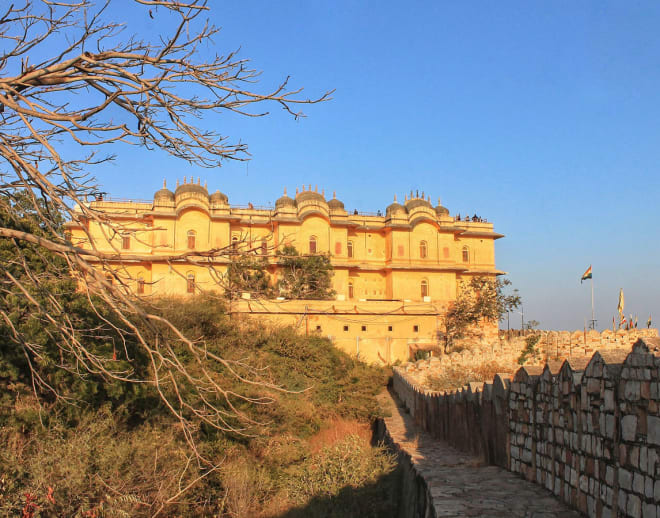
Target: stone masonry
[588, 431]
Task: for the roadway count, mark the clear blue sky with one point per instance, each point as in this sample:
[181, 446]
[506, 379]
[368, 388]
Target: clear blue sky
[542, 117]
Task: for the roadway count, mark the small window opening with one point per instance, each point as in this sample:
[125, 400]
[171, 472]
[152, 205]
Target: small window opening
[264, 247]
[140, 286]
[466, 254]
[318, 328]
[424, 288]
[125, 241]
[190, 283]
[349, 248]
[364, 328]
[345, 328]
[351, 293]
[312, 245]
[191, 239]
[389, 328]
[416, 329]
[423, 250]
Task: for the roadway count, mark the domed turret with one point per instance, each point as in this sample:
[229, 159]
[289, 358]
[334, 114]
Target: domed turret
[190, 188]
[413, 203]
[309, 196]
[334, 203]
[395, 209]
[164, 195]
[219, 198]
[285, 201]
[440, 210]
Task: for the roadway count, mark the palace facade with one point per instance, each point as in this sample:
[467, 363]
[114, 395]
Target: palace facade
[414, 255]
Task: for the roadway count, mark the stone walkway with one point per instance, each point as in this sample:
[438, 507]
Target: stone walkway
[459, 485]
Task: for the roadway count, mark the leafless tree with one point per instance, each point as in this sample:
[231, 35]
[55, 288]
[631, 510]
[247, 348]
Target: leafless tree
[74, 83]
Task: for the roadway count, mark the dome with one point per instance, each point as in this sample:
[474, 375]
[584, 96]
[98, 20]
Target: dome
[310, 196]
[418, 202]
[190, 187]
[219, 197]
[164, 194]
[395, 208]
[285, 201]
[335, 204]
[441, 211]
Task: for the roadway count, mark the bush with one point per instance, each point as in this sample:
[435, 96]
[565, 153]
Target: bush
[126, 456]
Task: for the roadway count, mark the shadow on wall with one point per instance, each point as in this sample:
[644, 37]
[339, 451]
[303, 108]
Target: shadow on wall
[381, 498]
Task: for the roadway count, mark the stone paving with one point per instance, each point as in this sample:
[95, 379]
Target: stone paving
[461, 485]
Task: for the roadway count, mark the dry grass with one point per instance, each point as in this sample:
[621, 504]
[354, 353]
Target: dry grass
[455, 376]
[336, 430]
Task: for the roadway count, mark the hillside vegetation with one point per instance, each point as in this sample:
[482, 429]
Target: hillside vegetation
[111, 449]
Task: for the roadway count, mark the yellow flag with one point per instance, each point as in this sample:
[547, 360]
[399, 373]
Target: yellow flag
[620, 306]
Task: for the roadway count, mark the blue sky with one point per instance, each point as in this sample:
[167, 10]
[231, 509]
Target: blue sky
[542, 117]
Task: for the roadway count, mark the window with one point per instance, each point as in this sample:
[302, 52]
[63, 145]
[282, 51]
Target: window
[349, 248]
[423, 250]
[351, 293]
[425, 288]
[345, 328]
[364, 328]
[140, 286]
[109, 278]
[191, 239]
[466, 254]
[234, 243]
[125, 241]
[312, 244]
[415, 329]
[264, 247]
[389, 328]
[190, 278]
[318, 328]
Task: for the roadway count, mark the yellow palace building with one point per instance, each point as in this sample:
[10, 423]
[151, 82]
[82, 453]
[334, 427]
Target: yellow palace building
[394, 273]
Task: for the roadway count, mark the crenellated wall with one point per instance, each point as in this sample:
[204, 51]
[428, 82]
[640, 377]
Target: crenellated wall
[588, 431]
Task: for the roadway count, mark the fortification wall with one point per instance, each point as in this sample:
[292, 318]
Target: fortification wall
[588, 431]
[553, 347]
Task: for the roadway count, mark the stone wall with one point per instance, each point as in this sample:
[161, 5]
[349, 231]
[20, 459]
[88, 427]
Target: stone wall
[589, 431]
[553, 347]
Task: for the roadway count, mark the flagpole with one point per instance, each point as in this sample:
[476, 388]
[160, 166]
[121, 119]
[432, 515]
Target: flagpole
[593, 318]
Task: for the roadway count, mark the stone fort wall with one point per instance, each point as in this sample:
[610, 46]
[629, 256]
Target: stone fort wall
[587, 431]
[553, 347]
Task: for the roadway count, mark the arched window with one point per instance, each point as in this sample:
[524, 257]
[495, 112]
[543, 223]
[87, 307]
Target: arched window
[125, 241]
[423, 250]
[140, 285]
[312, 244]
[425, 288]
[264, 247]
[234, 243]
[349, 248]
[466, 254]
[350, 290]
[191, 239]
[190, 284]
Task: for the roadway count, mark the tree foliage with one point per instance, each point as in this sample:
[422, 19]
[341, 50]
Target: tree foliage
[76, 86]
[305, 276]
[248, 273]
[479, 299]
